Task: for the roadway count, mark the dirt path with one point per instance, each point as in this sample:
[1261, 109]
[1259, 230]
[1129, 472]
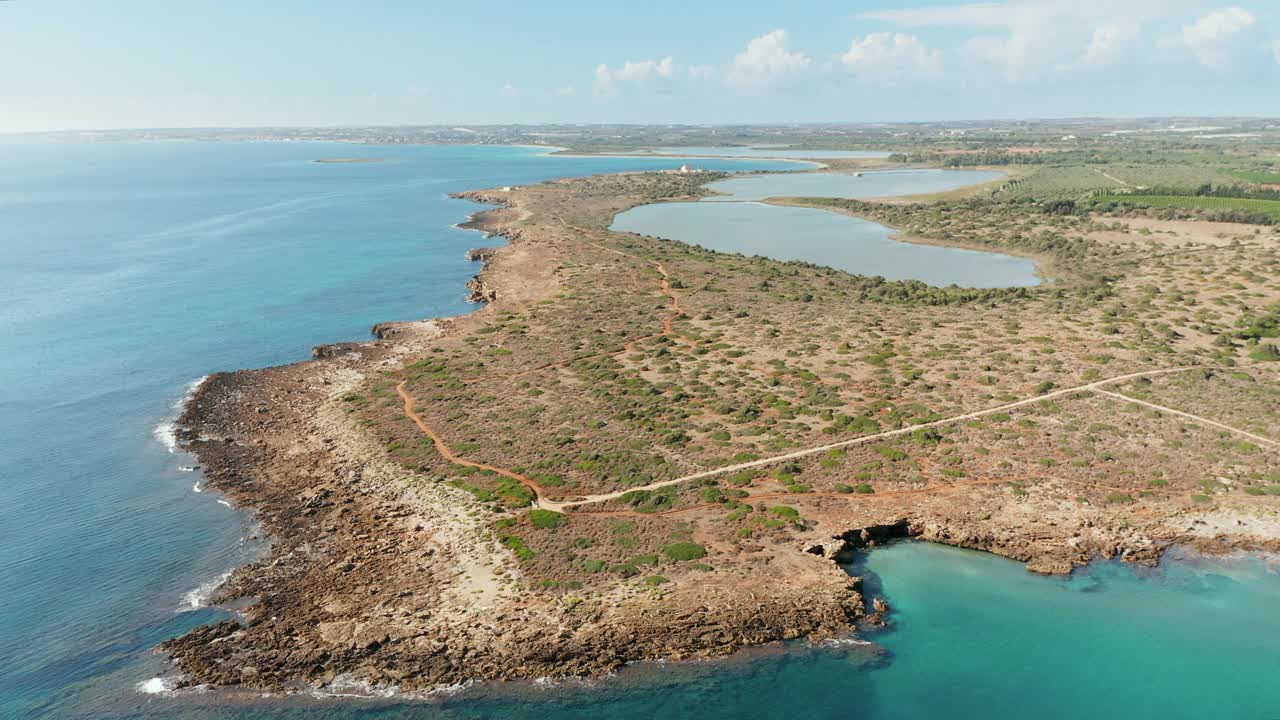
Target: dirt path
[1112, 178]
[448, 454]
[1093, 386]
[668, 330]
[1197, 418]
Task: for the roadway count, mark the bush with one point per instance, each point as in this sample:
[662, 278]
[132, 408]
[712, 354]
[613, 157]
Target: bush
[516, 544]
[1119, 498]
[785, 511]
[842, 488]
[891, 453]
[864, 489]
[655, 580]
[545, 519]
[684, 551]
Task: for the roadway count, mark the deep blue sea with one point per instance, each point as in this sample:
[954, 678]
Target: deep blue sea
[127, 271]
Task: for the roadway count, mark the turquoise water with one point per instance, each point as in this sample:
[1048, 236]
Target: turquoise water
[875, 184]
[130, 270]
[826, 238]
[973, 637]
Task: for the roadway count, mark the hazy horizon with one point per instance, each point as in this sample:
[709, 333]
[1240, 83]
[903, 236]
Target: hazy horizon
[145, 64]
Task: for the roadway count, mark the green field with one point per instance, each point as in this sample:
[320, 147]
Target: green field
[1193, 202]
[1055, 183]
[1260, 177]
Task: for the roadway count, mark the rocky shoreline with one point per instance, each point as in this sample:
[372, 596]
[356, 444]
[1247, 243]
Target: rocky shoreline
[358, 576]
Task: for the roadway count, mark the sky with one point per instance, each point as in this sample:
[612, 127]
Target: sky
[98, 64]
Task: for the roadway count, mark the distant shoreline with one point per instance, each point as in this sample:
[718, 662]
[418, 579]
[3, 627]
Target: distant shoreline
[348, 161]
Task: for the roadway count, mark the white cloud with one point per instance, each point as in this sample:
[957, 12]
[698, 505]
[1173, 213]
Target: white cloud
[608, 79]
[1021, 39]
[1275, 50]
[1107, 43]
[565, 91]
[509, 91]
[1210, 37]
[891, 58]
[766, 61]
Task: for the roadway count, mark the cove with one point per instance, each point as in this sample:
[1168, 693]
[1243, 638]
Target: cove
[825, 238]
[973, 636]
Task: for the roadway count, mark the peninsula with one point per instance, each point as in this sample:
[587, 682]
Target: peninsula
[641, 449]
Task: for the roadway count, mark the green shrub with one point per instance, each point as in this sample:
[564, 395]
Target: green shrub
[1119, 498]
[655, 580]
[545, 519]
[516, 544]
[785, 511]
[891, 453]
[864, 489]
[842, 488]
[684, 551]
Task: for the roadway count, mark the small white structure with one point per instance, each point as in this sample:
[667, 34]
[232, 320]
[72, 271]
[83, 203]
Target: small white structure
[685, 170]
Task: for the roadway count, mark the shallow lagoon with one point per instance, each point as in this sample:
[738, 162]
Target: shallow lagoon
[737, 223]
[826, 238]
[767, 151]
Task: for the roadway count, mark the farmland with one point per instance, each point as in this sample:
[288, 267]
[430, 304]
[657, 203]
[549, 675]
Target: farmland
[1191, 202]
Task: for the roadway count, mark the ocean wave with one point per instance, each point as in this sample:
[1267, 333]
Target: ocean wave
[844, 642]
[200, 596]
[167, 431]
[347, 686]
[157, 686]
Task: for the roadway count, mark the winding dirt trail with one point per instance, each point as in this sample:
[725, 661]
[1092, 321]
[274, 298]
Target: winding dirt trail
[410, 410]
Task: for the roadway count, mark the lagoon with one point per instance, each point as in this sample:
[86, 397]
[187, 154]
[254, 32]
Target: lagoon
[769, 151]
[825, 238]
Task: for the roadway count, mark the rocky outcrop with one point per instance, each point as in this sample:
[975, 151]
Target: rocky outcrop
[480, 293]
[483, 254]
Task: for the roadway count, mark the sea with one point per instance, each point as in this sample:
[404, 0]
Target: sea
[129, 271]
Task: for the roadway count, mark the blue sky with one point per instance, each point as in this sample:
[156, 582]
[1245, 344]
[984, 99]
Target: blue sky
[76, 64]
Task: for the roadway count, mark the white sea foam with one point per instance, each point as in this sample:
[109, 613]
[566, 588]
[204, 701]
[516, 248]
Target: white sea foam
[167, 431]
[196, 487]
[156, 686]
[224, 502]
[200, 596]
[348, 686]
[845, 642]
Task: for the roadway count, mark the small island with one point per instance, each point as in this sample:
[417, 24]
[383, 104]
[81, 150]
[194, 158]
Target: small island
[642, 449]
